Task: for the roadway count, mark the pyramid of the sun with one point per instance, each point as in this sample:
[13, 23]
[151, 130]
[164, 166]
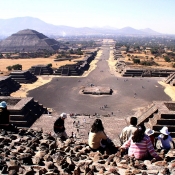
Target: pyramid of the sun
[28, 41]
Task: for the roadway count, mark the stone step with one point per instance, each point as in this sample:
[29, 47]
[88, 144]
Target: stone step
[167, 116]
[171, 128]
[19, 123]
[166, 122]
[17, 117]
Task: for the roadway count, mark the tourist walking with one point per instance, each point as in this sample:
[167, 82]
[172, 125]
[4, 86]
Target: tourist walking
[139, 145]
[59, 127]
[128, 130]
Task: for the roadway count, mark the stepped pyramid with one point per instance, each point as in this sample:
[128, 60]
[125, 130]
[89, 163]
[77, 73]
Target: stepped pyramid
[157, 115]
[28, 41]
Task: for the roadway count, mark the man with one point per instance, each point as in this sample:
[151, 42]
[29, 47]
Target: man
[59, 128]
[4, 115]
[128, 131]
[5, 118]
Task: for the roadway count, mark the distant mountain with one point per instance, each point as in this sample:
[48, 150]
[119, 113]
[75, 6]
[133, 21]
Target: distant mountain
[13, 25]
[131, 31]
[150, 31]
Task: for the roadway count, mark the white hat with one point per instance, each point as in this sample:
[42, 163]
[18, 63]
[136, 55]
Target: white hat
[149, 132]
[63, 115]
[164, 130]
[3, 104]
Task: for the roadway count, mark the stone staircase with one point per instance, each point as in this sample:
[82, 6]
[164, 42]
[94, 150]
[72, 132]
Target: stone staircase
[165, 120]
[157, 115]
[170, 78]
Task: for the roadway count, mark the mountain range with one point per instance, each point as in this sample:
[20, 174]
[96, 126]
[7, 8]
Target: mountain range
[13, 25]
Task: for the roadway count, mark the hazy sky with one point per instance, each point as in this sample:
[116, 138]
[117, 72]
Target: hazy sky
[158, 15]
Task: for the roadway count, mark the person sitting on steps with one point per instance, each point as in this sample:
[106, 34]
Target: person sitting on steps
[59, 127]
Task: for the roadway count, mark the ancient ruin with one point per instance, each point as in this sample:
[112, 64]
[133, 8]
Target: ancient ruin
[41, 70]
[76, 69]
[23, 111]
[128, 72]
[97, 90]
[157, 115]
[28, 41]
[8, 85]
[23, 76]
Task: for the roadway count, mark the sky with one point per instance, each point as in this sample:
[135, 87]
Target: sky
[159, 15]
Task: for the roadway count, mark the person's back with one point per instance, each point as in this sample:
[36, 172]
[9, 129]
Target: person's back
[97, 136]
[95, 139]
[59, 128]
[139, 145]
[128, 131]
[59, 125]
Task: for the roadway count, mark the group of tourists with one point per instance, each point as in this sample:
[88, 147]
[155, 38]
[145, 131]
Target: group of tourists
[136, 140]
[141, 143]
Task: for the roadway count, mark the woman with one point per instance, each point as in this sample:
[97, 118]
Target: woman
[165, 139]
[97, 137]
[140, 145]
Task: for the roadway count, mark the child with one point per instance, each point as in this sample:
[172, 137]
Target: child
[165, 139]
[150, 134]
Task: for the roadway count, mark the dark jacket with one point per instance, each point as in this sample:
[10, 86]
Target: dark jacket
[59, 125]
[4, 116]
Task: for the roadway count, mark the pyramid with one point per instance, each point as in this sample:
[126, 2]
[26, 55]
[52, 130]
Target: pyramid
[28, 41]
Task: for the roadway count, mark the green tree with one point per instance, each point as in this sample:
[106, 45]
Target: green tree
[136, 61]
[167, 59]
[17, 67]
[49, 65]
[9, 68]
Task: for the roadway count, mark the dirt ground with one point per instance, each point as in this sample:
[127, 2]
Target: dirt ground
[27, 63]
[43, 121]
[159, 60]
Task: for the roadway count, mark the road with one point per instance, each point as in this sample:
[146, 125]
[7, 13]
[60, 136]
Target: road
[63, 93]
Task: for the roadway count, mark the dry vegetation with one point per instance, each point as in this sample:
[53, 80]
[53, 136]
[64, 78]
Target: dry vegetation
[27, 63]
[148, 57]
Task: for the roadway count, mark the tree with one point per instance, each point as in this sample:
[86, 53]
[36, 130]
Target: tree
[167, 59]
[49, 65]
[17, 67]
[9, 68]
[136, 61]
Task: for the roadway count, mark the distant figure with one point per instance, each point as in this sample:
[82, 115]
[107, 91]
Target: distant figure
[139, 145]
[128, 130]
[4, 115]
[165, 139]
[5, 118]
[59, 128]
[150, 133]
[97, 136]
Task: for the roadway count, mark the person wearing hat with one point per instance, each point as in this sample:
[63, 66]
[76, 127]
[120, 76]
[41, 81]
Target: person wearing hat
[4, 115]
[150, 133]
[165, 139]
[59, 127]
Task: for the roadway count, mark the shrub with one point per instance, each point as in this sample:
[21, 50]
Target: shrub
[136, 61]
[49, 65]
[167, 59]
[9, 68]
